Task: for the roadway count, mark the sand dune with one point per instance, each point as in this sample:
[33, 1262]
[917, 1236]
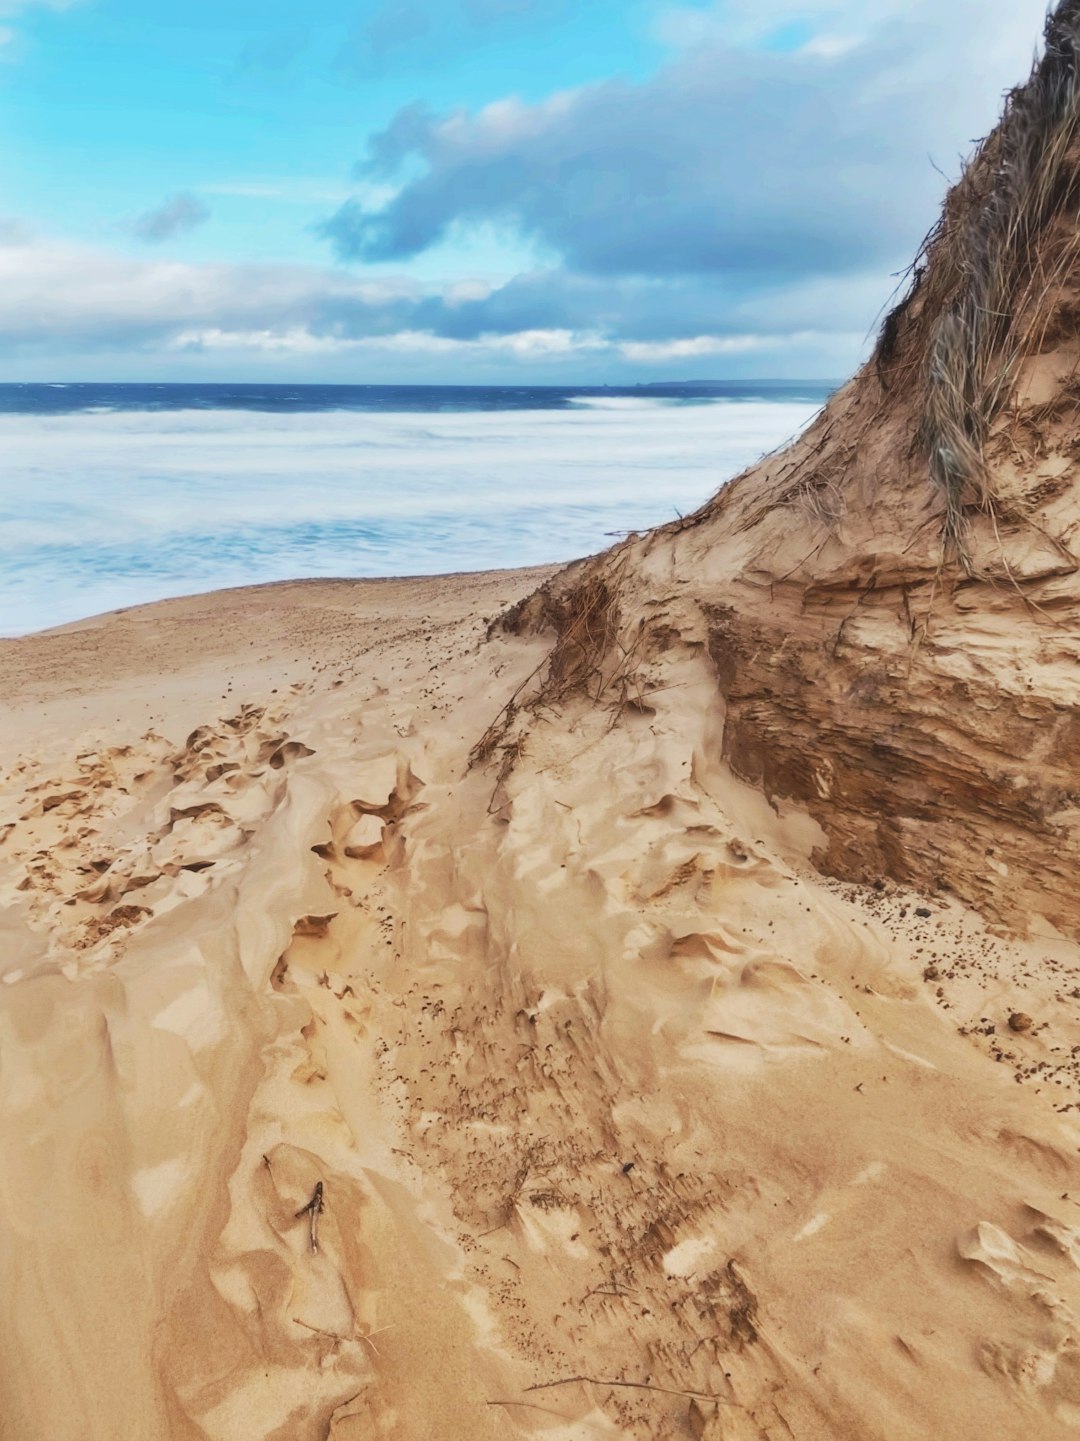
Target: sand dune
[637, 1001]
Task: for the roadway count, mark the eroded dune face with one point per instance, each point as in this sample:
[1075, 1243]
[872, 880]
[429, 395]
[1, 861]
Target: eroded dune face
[627, 1122]
[926, 716]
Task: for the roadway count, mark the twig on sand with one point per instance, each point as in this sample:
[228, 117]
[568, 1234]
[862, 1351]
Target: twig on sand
[531, 1405]
[638, 1386]
[318, 1330]
[366, 1336]
[313, 1210]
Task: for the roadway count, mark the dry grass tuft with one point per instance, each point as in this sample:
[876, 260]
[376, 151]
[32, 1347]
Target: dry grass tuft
[586, 626]
[979, 301]
[589, 657]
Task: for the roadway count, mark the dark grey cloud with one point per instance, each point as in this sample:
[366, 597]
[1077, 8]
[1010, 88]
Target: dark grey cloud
[177, 215]
[757, 163]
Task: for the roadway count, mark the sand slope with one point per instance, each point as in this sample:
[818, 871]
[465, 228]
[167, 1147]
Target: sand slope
[628, 1122]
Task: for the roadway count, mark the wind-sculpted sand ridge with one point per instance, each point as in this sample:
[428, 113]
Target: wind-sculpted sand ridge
[627, 1123]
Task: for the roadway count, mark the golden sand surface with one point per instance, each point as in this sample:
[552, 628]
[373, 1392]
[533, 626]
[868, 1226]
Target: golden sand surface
[630, 1120]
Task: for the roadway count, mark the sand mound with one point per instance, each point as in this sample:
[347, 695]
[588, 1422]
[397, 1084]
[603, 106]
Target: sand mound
[638, 1002]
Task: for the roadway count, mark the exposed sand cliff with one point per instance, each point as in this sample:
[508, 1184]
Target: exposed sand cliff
[667, 969]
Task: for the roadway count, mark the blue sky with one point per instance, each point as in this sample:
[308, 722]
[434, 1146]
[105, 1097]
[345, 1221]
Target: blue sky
[429, 190]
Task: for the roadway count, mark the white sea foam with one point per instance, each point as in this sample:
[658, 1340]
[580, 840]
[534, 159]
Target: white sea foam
[618, 402]
[111, 508]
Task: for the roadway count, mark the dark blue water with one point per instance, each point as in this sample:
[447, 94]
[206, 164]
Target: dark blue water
[63, 399]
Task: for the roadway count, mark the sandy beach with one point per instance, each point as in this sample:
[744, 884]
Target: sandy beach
[628, 1120]
[634, 1001]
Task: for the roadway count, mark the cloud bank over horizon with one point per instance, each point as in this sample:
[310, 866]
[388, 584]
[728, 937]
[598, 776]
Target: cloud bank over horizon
[208, 317]
[740, 207]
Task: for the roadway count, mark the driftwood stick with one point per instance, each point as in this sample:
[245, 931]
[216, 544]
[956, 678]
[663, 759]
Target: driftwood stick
[638, 1386]
[531, 1406]
[313, 1210]
[318, 1330]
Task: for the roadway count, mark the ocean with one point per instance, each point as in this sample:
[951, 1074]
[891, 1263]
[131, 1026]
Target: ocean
[115, 495]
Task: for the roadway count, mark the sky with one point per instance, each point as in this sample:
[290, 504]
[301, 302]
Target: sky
[477, 191]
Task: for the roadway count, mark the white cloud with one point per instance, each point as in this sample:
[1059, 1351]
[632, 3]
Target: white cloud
[829, 47]
[796, 180]
[462, 292]
[60, 299]
[695, 345]
[806, 152]
[51, 291]
[295, 340]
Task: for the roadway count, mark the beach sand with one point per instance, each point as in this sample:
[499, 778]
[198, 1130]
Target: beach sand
[629, 1120]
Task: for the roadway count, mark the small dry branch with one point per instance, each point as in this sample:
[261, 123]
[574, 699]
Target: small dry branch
[639, 1386]
[313, 1210]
